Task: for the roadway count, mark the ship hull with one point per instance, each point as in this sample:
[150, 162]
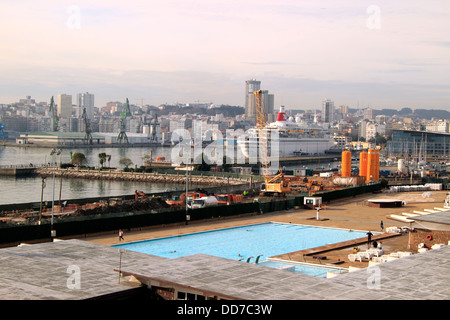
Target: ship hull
[289, 147]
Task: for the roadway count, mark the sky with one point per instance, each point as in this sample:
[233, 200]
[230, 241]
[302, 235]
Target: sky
[378, 54]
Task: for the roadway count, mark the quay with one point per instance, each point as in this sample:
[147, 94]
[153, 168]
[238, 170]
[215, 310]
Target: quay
[217, 179]
[17, 171]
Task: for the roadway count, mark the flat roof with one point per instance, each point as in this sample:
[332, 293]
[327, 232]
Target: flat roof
[57, 134]
[42, 271]
[435, 217]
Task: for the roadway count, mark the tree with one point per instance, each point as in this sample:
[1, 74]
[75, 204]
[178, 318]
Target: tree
[78, 159]
[108, 157]
[126, 162]
[102, 158]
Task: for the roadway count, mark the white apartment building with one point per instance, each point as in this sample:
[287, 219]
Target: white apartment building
[327, 111]
[373, 128]
[438, 126]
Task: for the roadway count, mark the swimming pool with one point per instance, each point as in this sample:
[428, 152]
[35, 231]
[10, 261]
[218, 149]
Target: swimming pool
[244, 243]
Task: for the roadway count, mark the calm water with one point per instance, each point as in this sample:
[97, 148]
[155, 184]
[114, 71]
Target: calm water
[26, 155]
[23, 190]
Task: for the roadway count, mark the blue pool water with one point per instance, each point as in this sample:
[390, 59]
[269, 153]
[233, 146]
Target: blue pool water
[315, 271]
[240, 243]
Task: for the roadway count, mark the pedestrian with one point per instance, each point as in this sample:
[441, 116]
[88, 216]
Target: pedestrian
[369, 238]
[381, 225]
[121, 235]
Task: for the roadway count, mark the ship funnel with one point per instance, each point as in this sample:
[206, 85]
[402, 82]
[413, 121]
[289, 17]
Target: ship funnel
[282, 116]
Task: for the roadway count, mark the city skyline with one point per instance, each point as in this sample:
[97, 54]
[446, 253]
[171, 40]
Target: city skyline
[356, 53]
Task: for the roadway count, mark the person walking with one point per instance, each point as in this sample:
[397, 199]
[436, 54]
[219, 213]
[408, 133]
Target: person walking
[121, 235]
[369, 238]
[381, 225]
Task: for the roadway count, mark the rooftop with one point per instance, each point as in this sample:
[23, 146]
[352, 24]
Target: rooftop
[45, 271]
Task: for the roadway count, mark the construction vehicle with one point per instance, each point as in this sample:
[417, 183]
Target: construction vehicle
[204, 202]
[181, 200]
[273, 185]
[229, 198]
[139, 195]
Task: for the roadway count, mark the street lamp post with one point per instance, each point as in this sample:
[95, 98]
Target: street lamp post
[53, 153]
[187, 188]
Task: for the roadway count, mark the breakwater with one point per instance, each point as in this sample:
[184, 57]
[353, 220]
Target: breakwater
[153, 177]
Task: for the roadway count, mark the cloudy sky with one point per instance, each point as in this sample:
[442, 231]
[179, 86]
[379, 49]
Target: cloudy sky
[382, 54]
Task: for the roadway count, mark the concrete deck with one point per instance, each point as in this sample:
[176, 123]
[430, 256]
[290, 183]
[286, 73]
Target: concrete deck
[44, 271]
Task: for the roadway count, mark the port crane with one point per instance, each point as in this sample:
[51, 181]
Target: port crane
[273, 184]
[122, 137]
[2, 134]
[87, 128]
[54, 116]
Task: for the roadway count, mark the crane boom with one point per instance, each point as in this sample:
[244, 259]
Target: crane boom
[87, 128]
[122, 137]
[272, 184]
[54, 116]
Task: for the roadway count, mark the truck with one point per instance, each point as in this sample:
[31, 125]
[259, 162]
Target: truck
[204, 202]
[181, 201]
[229, 198]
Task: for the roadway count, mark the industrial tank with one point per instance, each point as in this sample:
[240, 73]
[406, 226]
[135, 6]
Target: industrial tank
[373, 165]
[363, 164]
[346, 170]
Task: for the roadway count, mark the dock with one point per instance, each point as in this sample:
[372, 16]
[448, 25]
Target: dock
[17, 171]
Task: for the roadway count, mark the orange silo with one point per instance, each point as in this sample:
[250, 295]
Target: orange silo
[346, 170]
[373, 165]
[363, 164]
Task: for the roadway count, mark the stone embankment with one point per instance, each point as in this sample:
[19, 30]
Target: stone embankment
[117, 175]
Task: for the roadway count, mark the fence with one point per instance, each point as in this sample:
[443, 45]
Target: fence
[132, 220]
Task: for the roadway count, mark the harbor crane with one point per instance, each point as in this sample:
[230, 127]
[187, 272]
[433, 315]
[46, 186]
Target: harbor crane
[273, 184]
[54, 116]
[122, 137]
[87, 128]
[2, 134]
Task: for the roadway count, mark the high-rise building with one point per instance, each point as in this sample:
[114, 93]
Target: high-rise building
[85, 100]
[327, 111]
[267, 101]
[368, 114]
[64, 105]
[250, 87]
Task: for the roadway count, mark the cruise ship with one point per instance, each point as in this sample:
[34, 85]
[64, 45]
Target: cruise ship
[295, 138]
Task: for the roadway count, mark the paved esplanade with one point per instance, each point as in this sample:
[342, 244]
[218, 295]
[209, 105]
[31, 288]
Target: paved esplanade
[47, 271]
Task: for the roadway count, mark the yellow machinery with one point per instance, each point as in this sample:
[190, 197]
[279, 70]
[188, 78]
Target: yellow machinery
[275, 185]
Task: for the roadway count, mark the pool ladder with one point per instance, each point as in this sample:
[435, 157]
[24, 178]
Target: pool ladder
[249, 258]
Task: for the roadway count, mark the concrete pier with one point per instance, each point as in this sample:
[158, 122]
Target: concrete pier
[17, 172]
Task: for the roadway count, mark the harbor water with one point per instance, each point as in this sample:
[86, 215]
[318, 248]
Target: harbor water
[28, 189]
